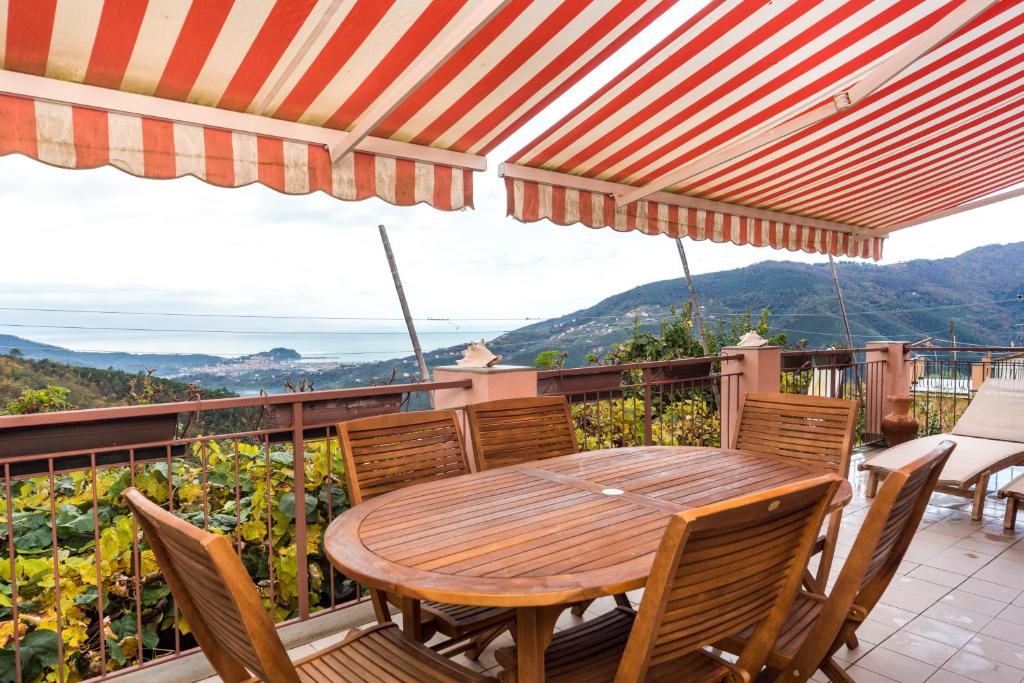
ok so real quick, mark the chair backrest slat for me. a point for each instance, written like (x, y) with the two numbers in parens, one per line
(515, 430)
(215, 594)
(874, 559)
(388, 452)
(723, 568)
(809, 430)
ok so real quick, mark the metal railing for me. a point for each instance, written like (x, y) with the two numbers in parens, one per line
(944, 381)
(840, 373)
(83, 596)
(673, 402)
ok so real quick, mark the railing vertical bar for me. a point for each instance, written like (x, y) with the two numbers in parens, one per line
(137, 562)
(56, 572)
(203, 459)
(299, 485)
(170, 508)
(11, 552)
(648, 408)
(268, 494)
(238, 497)
(330, 512)
(99, 564)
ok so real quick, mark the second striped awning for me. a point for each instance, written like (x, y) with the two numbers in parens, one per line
(721, 121)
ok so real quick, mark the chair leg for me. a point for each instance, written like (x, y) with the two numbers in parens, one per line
(480, 642)
(834, 672)
(380, 606)
(980, 491)
(851, 641)
(828, 553)
(622, 600)
(580, 607)
(1010, 521)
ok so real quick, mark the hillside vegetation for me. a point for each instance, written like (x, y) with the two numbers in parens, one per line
(90, 387)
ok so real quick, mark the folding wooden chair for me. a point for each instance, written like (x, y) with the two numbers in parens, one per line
(720, 569)
(807, 430)
(818, 626)
(389, 452)
(223, 609)
(515, 430)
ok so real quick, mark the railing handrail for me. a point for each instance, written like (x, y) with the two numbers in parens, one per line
(598, 369)
(119, 412)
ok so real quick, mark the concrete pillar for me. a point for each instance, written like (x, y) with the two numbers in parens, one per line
(889, 373)
(981, 372)
(489, 384)
(759, 370)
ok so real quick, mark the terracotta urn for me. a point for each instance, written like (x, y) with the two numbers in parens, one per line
(899, 426)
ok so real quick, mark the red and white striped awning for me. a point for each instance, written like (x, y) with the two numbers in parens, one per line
(406, 96)
(796, 124)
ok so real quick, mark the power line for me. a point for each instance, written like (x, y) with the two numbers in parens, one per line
(224, 355)
(257, 316)
(271, 332)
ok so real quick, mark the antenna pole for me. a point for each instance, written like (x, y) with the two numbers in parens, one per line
(424, 373)
(846, 321)
(693, 298)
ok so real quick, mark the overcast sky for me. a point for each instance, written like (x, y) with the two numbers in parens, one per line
(103, 239)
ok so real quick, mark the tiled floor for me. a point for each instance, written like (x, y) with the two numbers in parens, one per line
(954, 614)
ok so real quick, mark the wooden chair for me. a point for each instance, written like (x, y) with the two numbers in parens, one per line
(388, 452)
(515, 430)
(224, 611)
(818, 626)
(807, 430)
(720, 569)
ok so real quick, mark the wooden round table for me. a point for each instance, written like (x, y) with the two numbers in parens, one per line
(543, 535)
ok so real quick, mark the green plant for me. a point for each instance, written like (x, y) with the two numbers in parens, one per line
(245, 491)
(49, 399)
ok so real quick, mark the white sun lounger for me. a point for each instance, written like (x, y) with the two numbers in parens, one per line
(989, 437)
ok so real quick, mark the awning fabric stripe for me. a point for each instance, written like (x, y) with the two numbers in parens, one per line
(322, 63)
(78, 137)
(531, 201)
(943, 132)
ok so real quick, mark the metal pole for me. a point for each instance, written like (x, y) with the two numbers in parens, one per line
(846, 321)
(693, 298)
(695, 305)
(424, 373)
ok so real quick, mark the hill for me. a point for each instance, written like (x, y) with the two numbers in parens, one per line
(90, 387)
(164, 364)
(904, 301)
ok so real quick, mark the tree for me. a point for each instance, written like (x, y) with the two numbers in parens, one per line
(549, 360)
(677, 338)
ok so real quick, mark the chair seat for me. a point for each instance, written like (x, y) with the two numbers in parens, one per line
(383, 653)
(457, 620)
(591, 651)
(801, 617)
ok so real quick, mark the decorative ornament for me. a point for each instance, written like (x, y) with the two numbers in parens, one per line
(752, 338)
(477, 355)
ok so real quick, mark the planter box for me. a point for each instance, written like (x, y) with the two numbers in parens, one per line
(578, 385)
(681, 373)
(85, 436)
(318, 415)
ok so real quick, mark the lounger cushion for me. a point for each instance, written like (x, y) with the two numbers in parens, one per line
(997, 412)
(971, 457)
